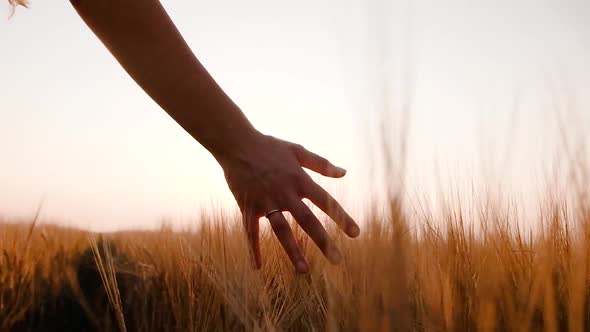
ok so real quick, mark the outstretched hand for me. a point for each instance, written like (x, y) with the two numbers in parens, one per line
(264, 173)
(268, 176)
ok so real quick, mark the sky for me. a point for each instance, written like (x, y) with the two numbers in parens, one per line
(483, 83)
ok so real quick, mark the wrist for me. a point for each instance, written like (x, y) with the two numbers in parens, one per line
(236, 146)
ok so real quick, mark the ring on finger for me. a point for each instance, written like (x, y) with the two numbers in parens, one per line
(267, 215)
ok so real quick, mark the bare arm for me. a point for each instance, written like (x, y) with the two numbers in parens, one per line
(144, 40)
(263, 173)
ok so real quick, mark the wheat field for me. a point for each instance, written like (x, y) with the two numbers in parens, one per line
(401, 274)
(473, 266)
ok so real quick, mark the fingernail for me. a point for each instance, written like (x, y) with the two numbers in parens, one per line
(340, 170)
(302, 267)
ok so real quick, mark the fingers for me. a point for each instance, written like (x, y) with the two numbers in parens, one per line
(283, 231)
(322, 199)
(317, 163)
(252, 230)
(312, 226)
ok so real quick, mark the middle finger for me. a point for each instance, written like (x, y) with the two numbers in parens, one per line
(312, 226)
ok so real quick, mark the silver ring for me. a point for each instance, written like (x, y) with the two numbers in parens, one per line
(271, 212)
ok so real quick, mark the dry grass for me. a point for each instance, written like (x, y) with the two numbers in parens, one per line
(394, 277)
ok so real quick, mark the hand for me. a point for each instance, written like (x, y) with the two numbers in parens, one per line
(268, 175)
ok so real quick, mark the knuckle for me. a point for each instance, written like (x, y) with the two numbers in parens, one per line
(302, 190)
(293, 176)
(299, 147)
(305, 180)
(298, 181)
(300, 150)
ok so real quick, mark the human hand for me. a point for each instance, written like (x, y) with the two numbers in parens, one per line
(267, 175)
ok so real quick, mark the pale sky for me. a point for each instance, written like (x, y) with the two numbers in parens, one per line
(483, 78)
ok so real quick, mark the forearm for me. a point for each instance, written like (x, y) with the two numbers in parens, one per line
(146, 43)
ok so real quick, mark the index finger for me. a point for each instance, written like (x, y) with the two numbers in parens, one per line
(322, 199)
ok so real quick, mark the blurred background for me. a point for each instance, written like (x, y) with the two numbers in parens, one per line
(478, 94)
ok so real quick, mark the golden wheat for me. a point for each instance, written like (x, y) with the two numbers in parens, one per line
(400, 275)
